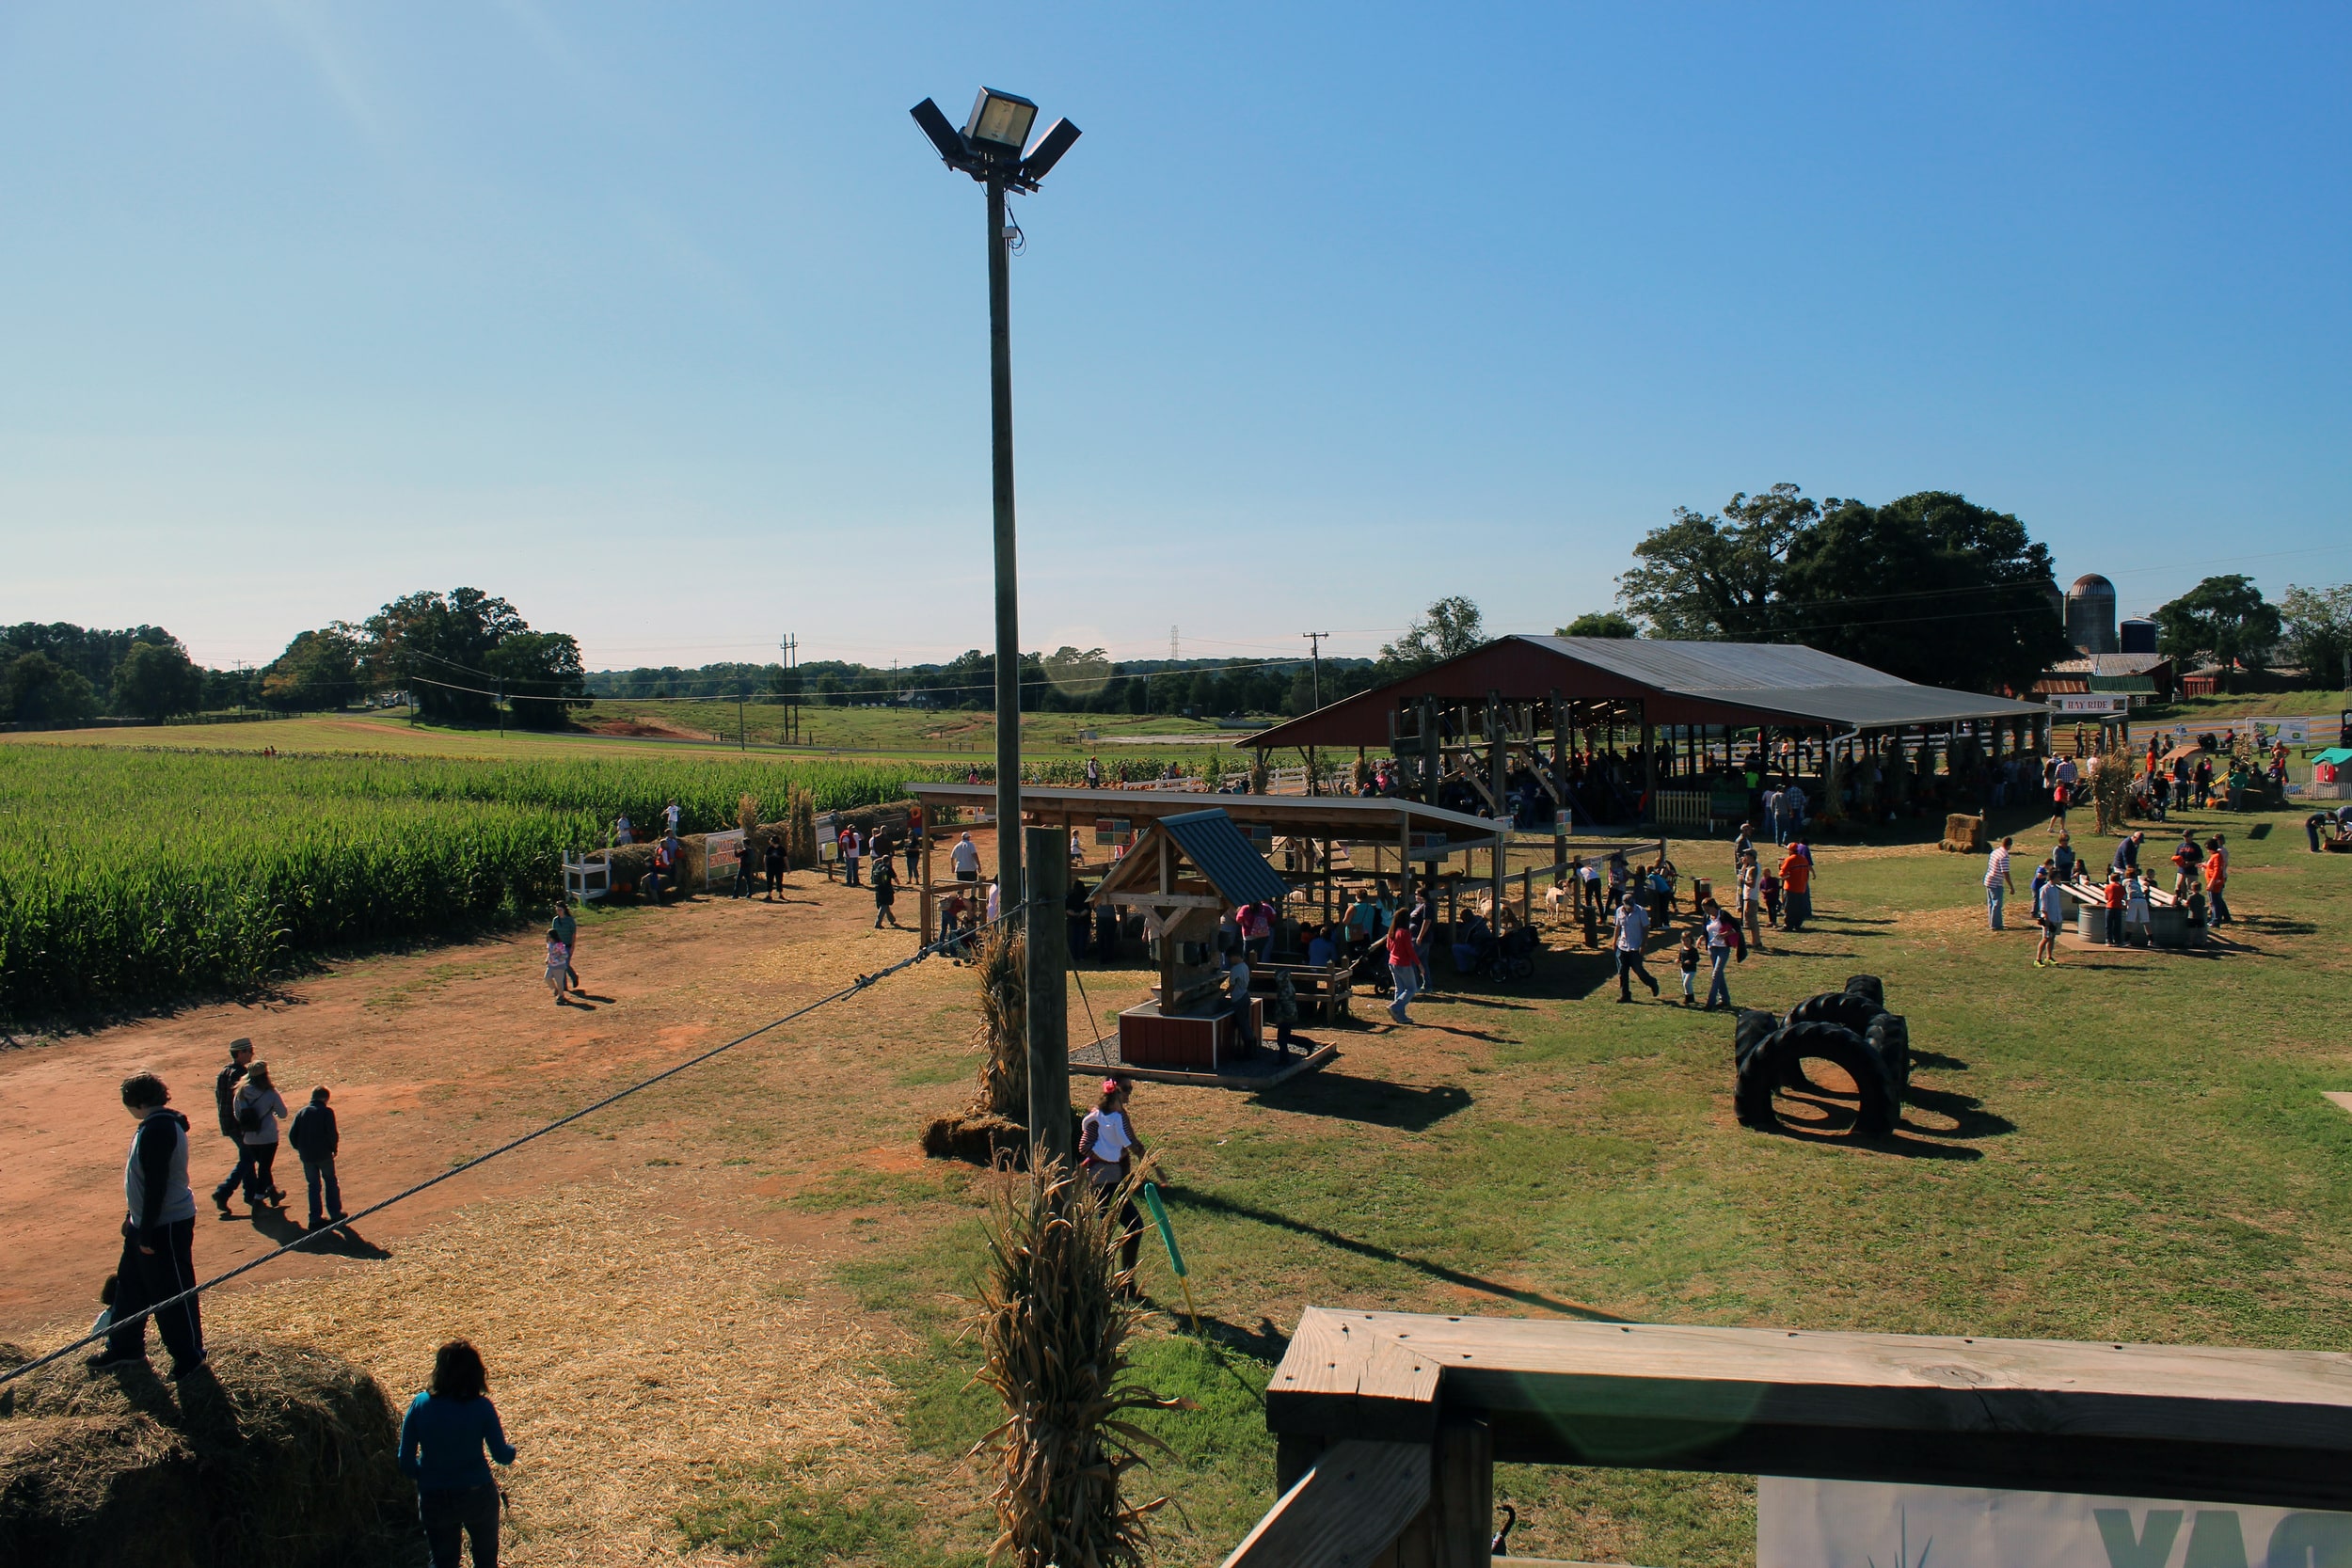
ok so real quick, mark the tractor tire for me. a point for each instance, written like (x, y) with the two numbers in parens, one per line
(1874, 1108)
(1850, 1009)
(1752, 1035)
(1522, 968)
(1889, 1040)
(1867, 985)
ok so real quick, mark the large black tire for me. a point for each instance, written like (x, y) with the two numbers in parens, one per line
(1874, 1110)
(1867, 985)
(1846, 1007)
(1751, 1035)
(1889, 1040)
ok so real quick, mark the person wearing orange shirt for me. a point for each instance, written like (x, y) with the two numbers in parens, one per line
(1796, 883)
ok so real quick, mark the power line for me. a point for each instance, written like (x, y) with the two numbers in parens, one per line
(860, 983)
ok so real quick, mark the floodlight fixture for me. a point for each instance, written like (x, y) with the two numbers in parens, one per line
(943, 133)
(1058, 138)
(1000, 123)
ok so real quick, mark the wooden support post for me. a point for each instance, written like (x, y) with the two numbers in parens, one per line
(1404, 863)
(1455, 1529)
(1649, 763)
(928, 903)
(1048, 999)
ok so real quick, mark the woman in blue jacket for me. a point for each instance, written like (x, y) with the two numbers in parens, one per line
(441, 1440)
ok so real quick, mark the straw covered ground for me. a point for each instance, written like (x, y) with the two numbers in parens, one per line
(722, 1318)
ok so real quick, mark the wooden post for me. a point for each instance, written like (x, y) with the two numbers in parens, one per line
(1048, 995)
(927, 904)
(1455, 1530)
(1649, 763)
(1404, 860)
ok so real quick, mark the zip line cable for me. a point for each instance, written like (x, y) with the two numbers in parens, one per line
(862, 983)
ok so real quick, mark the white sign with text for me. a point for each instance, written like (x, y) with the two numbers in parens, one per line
(1850, 1524)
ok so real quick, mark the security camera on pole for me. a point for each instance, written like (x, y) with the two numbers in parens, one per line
(990, 150)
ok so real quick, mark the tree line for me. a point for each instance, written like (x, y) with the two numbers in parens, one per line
(455, 653)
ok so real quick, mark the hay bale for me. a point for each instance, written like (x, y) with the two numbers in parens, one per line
(1963, 835)
(978, 1138)
(283, 1457)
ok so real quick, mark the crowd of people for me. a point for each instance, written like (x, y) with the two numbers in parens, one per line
(2128, 896)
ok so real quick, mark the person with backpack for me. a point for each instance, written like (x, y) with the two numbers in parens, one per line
(225, 1102)
(316, 1141)
(259, 1108)
(158, 1237)
(441, 1442)
(885, 882)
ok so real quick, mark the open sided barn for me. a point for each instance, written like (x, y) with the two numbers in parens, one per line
(1610, 728)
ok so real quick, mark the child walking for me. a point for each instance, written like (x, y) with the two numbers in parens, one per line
(1687, 960)
(558, 968)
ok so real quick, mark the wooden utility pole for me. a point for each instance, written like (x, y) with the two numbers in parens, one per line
(1048, 995)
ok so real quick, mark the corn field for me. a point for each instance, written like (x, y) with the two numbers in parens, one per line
(149, 875)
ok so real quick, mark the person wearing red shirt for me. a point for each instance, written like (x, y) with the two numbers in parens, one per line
(1404, 966)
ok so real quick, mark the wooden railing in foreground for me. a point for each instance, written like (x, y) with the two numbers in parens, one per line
(1388, 1425)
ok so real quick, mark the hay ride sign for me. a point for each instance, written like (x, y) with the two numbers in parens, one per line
(1844, 1524)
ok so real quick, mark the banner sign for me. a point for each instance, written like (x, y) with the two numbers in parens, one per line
(1112, 830)
(2088, 703)
(1850, 1524)
(721, 853)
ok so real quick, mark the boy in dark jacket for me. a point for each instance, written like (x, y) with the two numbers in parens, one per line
(315, 1140)
(158, 1232)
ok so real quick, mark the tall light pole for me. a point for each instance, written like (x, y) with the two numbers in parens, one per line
(988, 149)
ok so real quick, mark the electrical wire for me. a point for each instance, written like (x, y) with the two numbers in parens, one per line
(862, 983)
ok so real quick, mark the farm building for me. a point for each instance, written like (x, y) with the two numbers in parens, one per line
(1524, 717)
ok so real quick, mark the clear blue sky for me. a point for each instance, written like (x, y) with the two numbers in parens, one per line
(663, 321)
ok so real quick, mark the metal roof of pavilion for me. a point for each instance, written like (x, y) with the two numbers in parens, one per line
(1678, 683)
(1230, 862)
(1371, 818)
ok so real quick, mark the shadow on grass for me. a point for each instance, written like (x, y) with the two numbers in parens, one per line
(1828, 1117)
(1210, 1203)
(1367, 1100)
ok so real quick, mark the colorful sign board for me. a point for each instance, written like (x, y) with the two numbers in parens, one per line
(722, 854)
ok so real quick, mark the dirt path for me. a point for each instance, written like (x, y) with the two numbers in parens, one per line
(431, 1058)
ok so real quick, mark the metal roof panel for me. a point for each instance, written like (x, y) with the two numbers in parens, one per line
(1232, 864)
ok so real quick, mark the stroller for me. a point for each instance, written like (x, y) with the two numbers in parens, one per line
(1509, 956)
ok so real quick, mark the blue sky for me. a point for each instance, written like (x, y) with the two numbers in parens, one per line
(665, 323)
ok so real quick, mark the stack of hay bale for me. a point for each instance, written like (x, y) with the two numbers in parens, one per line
(1851, 1029)
(272, 1456)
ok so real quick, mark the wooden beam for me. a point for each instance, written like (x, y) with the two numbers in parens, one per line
(1344, 1512)
(2255, 1426)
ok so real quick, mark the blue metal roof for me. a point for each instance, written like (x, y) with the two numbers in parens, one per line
(1232, 864)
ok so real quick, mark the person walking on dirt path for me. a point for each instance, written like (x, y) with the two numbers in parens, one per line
(965, 858)
(259, 1108)
(441, 1442)
(2049, 912)
(914, 841)
(1998, 883)
(316, 1141)
(772, 863)
(239, 1178)
(1632, 930)
(1107, 1149)
(849, 851)
(559, 965)
(565, 929)
(1403, 965)
(886, 892)
(158, 1237)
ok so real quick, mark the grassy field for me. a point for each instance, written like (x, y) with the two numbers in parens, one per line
(156, 875)
(2130, 1146)
(2292, 704)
